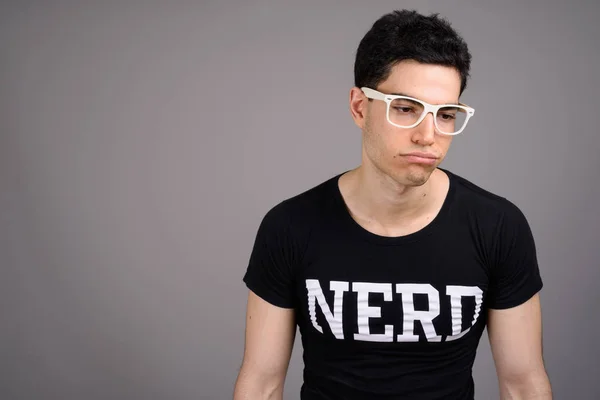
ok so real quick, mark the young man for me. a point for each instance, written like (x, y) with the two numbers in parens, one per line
(393, 270)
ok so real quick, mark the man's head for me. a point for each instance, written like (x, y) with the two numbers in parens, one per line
(418, 56)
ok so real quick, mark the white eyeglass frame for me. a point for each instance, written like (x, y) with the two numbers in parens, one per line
(427, 108)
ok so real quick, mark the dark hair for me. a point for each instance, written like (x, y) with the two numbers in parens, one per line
(408, 35)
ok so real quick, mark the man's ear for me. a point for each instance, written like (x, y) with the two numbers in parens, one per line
(358, 106)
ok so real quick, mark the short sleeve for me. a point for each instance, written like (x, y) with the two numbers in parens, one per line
(275, 253)
(515, 276)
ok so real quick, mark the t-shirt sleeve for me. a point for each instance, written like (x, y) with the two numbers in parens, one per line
(515, 275)
(275, 253)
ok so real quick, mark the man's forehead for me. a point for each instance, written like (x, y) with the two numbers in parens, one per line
(449, 100)
(435, 84)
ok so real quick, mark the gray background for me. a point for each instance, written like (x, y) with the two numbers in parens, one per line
(142, 143)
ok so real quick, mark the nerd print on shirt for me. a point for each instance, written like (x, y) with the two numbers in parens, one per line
(454, 298)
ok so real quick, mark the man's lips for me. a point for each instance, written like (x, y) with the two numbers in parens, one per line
(422, 155)
(420, 158)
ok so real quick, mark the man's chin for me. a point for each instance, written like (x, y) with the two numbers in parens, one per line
(418, 178)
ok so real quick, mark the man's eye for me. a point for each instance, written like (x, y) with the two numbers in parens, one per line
(448, 117)
(404, 109)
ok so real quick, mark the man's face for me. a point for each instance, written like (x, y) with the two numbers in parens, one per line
(385, 146)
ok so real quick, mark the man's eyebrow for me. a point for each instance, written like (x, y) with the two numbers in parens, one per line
(402, 94)
(408, 95)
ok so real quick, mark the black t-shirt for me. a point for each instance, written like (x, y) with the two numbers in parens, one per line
(392, 317)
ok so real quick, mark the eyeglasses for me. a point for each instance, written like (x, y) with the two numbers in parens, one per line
(408, 112)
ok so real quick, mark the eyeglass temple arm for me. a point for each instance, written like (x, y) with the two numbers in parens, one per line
(372, 94)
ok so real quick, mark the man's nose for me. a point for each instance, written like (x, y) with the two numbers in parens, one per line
(424, 133)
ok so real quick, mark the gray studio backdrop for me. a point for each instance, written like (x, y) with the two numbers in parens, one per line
(142, 143)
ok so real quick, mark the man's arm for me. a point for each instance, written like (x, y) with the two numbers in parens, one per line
(270, 333)
(516, 341)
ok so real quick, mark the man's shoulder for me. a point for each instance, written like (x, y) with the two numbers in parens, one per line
(473, 197)
(485, 208)
(317, 196)
(306, 206)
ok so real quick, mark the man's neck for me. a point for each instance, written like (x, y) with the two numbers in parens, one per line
(383, 206)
